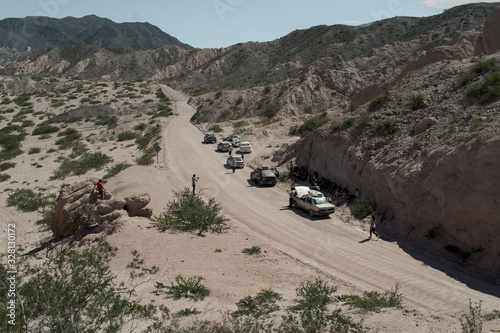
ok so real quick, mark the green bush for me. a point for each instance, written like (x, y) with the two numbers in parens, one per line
(374, 300)
(27, 200)
(144, 140)
(73, 290)
(161, 95)
(187, 312)
(417, 102)
(386, 127)
(11, 145)
(33, 150)
(81, 165)
(473, 322)
(252, 250)
(105, 120)
(147, 158)
(380, 100)
(262, 304)
(349, 122)
(315, 294)
(44, 128)
(363, 120)
(68, 138)
(4, 177)
(309, 125)
(360, 208)
(190, 287)
(190, 213)
(23, 99)
(488, 89)
(125, 136)
(216, 129)
(116, 169)
(6, 165)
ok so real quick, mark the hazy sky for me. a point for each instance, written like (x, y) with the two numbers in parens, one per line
(220, 23)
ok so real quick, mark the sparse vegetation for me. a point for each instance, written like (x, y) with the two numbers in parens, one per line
(27, 200)
(373, 300)
(309, 125)
(216, 129)
(252, 250)
(260, 305)
(44, 128)
(386, 127)
(125, 136)
(116, 169)
(417, 101)
(81, 165)
(473, 322)
(360, 208)
(185, 287)
(380, 100)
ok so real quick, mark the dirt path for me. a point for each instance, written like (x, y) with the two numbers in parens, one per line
(329, 245)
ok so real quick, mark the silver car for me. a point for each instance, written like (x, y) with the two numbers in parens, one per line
(235, 161)
(224, 146)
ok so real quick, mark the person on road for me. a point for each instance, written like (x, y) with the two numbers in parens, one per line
(194, 179)
(100, 188)
(292, 194)
(373, 227)
(230, 149)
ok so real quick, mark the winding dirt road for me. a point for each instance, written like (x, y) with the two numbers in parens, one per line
(329, 245)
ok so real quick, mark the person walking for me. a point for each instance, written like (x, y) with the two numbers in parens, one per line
(292, 194)
(373, 227)
(100, 188)
(194, 179)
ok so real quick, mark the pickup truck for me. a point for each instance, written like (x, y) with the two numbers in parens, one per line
(314, 202)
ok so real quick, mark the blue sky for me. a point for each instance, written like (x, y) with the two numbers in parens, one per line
(220, 23)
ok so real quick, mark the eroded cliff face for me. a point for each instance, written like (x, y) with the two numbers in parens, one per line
(452, 190)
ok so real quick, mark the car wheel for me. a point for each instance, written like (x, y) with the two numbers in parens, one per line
(311, 213)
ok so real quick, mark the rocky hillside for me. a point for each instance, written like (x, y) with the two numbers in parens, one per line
(35, 33)
(409, 108)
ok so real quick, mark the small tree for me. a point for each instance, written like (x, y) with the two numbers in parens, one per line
(189, 212)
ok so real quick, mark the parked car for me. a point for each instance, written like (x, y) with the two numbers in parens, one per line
(264, 176)
(224, 146)
(234, 139)
(245, 147)
(312, 201)
(235, 161)
(210, 138)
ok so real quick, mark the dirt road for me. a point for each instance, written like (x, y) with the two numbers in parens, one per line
(329, 245)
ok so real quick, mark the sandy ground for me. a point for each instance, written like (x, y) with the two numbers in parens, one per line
(295, 247)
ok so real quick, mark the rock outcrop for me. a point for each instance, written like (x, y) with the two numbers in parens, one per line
(77, 207)
(489, 41)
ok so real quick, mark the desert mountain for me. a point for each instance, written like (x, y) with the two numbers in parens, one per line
(405, 109)
(35, 33)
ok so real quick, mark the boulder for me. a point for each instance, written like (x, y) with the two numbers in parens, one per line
(423, 125)
(135, 205)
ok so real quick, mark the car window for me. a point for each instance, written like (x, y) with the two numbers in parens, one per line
(267, 173)
(320, 201)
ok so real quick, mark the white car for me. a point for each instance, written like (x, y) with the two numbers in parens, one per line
(314, 202)
(245, 147)
(235, 161)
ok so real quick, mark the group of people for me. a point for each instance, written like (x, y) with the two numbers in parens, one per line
(325, 185)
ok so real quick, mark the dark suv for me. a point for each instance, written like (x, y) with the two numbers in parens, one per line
(264, 176)
(210, 138)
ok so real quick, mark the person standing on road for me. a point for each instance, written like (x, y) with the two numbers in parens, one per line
(292, 194)
(193, 181)
(230, 149)
(373, 227)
